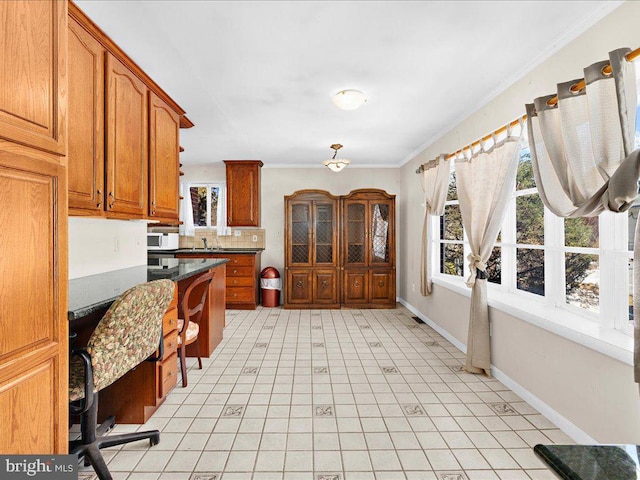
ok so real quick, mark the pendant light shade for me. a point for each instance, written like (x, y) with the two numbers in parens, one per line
(336, 164)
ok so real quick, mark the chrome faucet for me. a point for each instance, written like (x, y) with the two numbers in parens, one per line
(204, 240)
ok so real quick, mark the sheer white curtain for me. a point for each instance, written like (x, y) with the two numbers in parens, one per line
(582, 151)
(186, 228)
(485, 182)
(221, 214)
(435, 182)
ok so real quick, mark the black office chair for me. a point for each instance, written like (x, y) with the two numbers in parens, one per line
(126, 336)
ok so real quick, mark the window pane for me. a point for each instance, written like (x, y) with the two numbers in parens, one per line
(530, 270)
(524, 177)
(215, 191)
(494, 266)
(581, 232)
(451, 223)
(582, 275)
(199, 203)
(633, 219)
(451, 259)
(529, 220)
(452, 192)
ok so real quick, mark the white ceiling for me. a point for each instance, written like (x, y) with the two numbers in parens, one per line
(257, 77)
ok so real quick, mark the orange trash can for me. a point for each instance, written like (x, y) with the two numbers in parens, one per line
(270, 286)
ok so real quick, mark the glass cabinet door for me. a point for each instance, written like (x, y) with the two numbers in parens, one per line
(300, 234)
(380, 222)
(355, 235)
(324, 216)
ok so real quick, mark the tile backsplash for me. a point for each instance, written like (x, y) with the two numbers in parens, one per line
(244, 240)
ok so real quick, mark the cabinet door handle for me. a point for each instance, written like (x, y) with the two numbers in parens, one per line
(324, 284)
(356, 283)
(153, 207)
(381, 283)
(299, 284)
(111, 200)
(172, 322)
(99, 192)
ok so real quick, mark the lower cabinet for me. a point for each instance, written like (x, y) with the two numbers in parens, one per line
(243, 283)
(312, 288)
(370, 288)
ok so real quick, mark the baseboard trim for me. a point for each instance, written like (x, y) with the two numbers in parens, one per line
(577, 434)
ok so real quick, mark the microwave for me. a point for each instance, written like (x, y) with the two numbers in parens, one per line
(162, 241)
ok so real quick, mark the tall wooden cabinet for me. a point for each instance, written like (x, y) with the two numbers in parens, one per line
(368, 249)
(243, 193)
(340, 251)
(311, 250)
(33, 228)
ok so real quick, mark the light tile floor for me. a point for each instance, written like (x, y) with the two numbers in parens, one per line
(336, 395)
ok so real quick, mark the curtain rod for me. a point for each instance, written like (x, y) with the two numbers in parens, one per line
(631, 56)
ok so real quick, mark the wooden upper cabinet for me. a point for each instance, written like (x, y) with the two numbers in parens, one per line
(86, 125)
(33, 73)
(126, 127)
(164, 170)
(243, 193)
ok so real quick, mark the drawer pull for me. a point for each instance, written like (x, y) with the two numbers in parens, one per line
(235, 281)
(235, 271)
(172, 322)
(235, 294)
(299, 284)
(171, 345)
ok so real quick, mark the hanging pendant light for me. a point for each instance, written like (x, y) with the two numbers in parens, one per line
(336, 164)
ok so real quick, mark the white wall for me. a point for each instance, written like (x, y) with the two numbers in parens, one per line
(594, 392)
(97, 245)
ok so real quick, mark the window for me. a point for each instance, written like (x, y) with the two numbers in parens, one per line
(207, 207)
(557, 262)
(451, 233)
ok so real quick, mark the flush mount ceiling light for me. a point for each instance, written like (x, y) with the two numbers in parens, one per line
(349, 99)
(336, 164)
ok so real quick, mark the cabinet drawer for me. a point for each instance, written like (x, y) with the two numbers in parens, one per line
(241, 281)
(170, 321)
(240, 272)
(241, 294)
(170, 343)
(240, 260)
(169, 374)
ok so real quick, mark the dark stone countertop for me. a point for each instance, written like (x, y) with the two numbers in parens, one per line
(95, 292)
(592, 462)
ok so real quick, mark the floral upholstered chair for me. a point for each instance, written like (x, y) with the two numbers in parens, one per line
(127, 335)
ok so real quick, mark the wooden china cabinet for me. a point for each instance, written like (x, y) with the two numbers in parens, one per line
(340, 251)
(368, 249)
(311, 250)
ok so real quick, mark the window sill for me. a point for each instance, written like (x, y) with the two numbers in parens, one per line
(566, 324)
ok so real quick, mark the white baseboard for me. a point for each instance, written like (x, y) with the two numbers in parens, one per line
(577, 434)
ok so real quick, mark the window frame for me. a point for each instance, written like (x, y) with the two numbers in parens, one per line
(221, 186)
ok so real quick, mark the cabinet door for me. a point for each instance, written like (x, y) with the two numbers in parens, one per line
(355, 233)
(33, 274)
(325, 286)
(324, 233)
(164, 170)
(380, 226)
(356, 287)
(86, 128)
(126, 140)
(382, 286)
(33, 42)
(243, 193)
(299, 227)
(299, 287)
